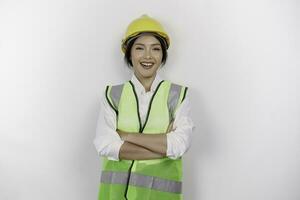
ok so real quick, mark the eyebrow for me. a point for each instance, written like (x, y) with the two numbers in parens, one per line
(151, 44)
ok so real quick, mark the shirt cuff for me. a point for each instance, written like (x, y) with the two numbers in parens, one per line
(170, 147)
(113, 150)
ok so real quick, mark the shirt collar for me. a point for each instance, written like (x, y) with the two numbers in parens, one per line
(140, 88)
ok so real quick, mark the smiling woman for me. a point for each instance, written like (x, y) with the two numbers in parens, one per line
(144, 125)
(162, 43)
(146, 57)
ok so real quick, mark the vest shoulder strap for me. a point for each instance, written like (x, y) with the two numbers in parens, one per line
(113, 95)
(176, 96)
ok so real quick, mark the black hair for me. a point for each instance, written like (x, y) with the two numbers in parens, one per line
(131, 41)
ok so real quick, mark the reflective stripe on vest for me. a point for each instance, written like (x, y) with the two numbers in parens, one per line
(150, 182)
(115, 94)
(173, 98)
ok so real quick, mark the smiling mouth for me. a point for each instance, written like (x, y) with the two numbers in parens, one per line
(147, 65)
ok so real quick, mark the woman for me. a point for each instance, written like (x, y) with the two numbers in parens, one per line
(144, 125)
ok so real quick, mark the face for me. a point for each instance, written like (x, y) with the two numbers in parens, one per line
(146, 56)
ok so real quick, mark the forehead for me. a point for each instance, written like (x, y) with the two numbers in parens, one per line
(147, 38)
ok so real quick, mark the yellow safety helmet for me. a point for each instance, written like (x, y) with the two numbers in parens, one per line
(144, 24)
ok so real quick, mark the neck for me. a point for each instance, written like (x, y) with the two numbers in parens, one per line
(146, 82)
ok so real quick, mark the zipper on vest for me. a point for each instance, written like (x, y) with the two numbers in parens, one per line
(141, 129)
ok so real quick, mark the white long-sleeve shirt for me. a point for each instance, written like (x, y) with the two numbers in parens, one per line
(108, 142)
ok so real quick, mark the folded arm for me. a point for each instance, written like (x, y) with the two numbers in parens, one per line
(129, 151)
(156, 143)
(172, 144)
(109, 144)
(113, 145)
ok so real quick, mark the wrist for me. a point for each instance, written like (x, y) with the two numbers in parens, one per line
(126, 137)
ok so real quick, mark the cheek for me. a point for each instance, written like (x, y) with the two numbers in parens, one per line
(159, 58)
(136, 57)
(158, 55)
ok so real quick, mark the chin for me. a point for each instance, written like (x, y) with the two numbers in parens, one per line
(147, 75)
(143, 73)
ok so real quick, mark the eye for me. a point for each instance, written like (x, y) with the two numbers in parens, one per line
(157, 49)
(139, 48)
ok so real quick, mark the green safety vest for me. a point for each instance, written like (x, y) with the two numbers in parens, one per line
(156, 179)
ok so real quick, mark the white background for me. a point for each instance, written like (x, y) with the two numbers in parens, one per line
(240, 60)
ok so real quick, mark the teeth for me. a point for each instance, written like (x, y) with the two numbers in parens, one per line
(147, 64)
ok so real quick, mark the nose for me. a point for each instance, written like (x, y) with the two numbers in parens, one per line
(148, 54)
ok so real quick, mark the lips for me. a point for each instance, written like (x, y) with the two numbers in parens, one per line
(147, 65)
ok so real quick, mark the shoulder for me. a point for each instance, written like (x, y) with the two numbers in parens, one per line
(116, 85)
(113, 94)
(177, 95)
(176, 87)
(114, 88)
(177, 84)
